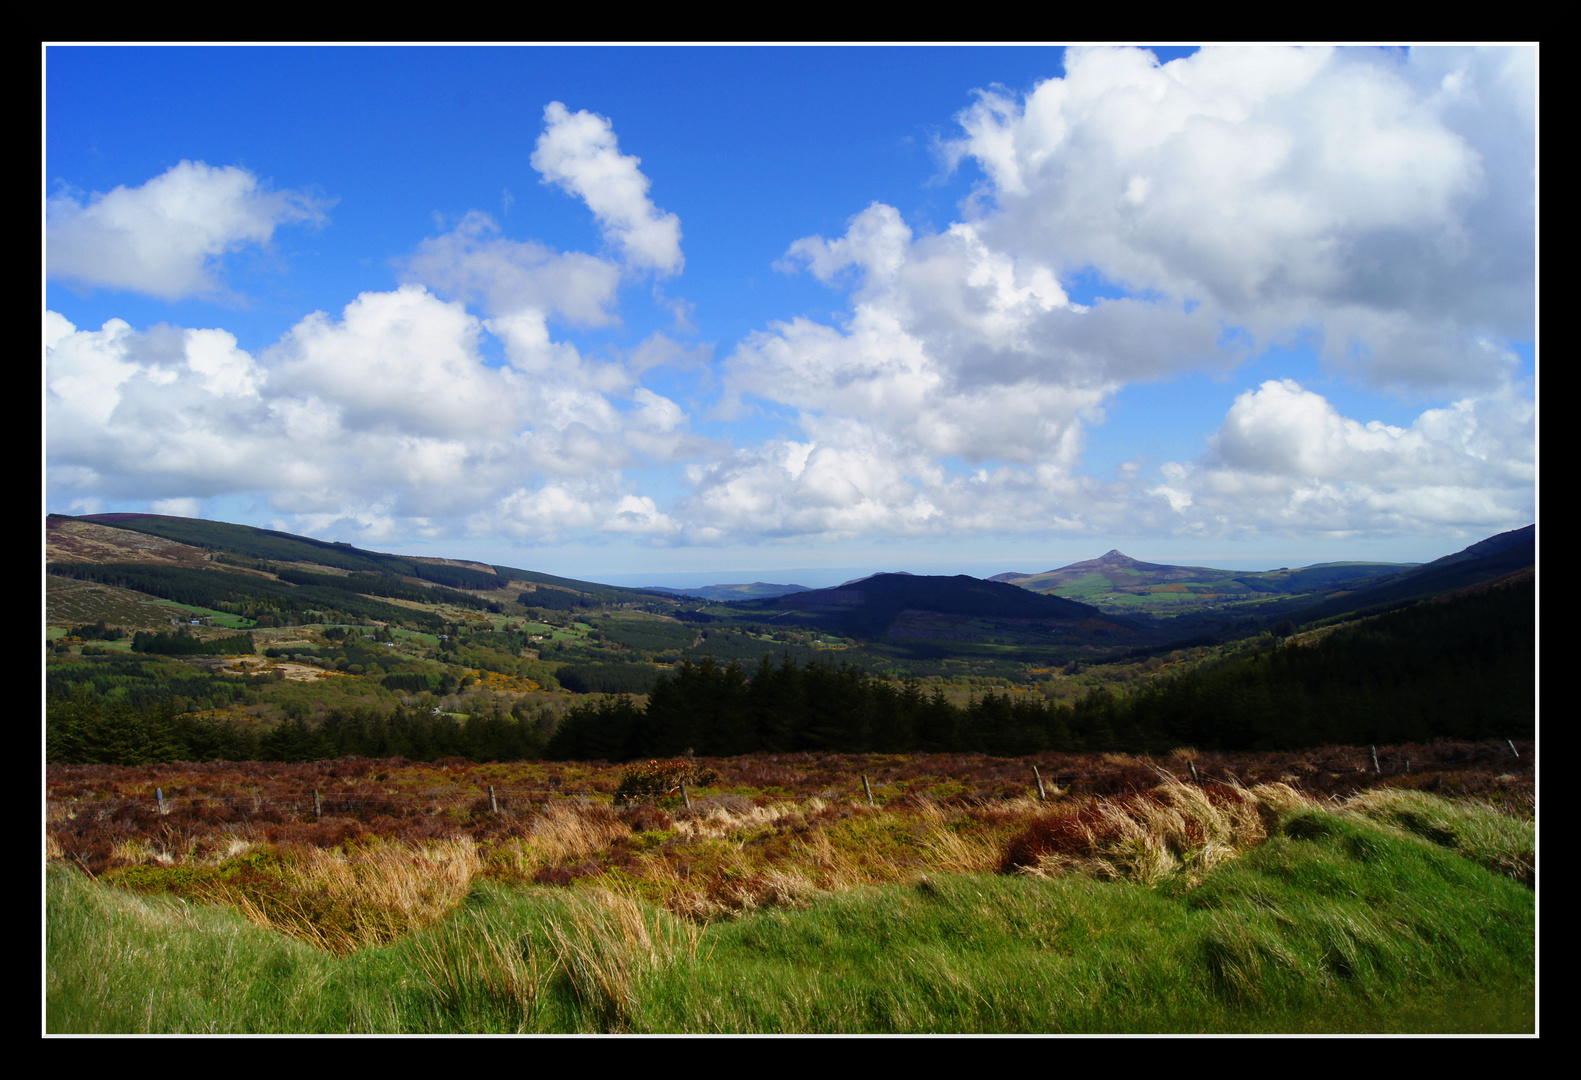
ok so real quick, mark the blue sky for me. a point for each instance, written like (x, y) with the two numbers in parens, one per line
(687, 315)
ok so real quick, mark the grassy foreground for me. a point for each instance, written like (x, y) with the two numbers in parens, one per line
(1410, 915)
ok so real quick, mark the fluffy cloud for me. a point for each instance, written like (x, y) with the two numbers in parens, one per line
(385, 421)
(949, 348)
(477, 265)
(847, 482)
(1386, 200)
(400, 361)
(953, 351)
(1286, 459)
(555, 511)
(164, 414)
(579, 152)
(851, 485)
(165, 239)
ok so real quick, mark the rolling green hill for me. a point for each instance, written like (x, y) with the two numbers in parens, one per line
(1117, 583)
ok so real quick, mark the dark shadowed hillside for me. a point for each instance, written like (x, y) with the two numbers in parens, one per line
(1488, 560)
(958, 608)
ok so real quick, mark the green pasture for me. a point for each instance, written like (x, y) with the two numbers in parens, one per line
(1088, 585)
(234, 622)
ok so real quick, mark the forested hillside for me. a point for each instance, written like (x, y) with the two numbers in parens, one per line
(200, 640)
(1461, 668)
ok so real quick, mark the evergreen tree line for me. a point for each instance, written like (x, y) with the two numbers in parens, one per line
(97, 632)
(385, 585)
(148, 682)
(607, 678)
(1461, 669)
(184, 644)
(83, 728)
(556, 600)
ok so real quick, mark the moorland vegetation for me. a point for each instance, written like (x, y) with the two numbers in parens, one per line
(473, 898)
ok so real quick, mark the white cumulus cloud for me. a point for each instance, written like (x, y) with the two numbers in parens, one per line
(1286, 459)
(475, 264)
(385, 421)
(1385, 200)
(579, 152)
(403, 361)
(166, 238)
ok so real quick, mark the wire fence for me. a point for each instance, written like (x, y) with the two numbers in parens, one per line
(486, 798)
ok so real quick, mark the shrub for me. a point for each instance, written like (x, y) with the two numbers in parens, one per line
(656, 779)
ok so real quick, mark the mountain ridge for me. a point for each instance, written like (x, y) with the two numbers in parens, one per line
(1098, 593)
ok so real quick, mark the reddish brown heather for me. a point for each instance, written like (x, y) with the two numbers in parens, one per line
(101, 817)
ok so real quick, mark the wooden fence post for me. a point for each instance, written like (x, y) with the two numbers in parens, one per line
(1193, 766)
(1377, 771)
(869, 789)
(159, 797)
(1514, 751)
(1042, 795)
(318, 807)
(494, 807)
(686, 800)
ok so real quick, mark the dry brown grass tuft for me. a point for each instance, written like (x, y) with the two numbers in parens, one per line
(573, 831)
(1279, 797)
(1174, 830)
(950, 851)
(343, 901)
(563, 833)
(718, 821)
(828, 866)
(728, 897)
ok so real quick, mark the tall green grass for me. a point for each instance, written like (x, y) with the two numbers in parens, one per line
(120, 962)
(1337, 923)
(1331, 926)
